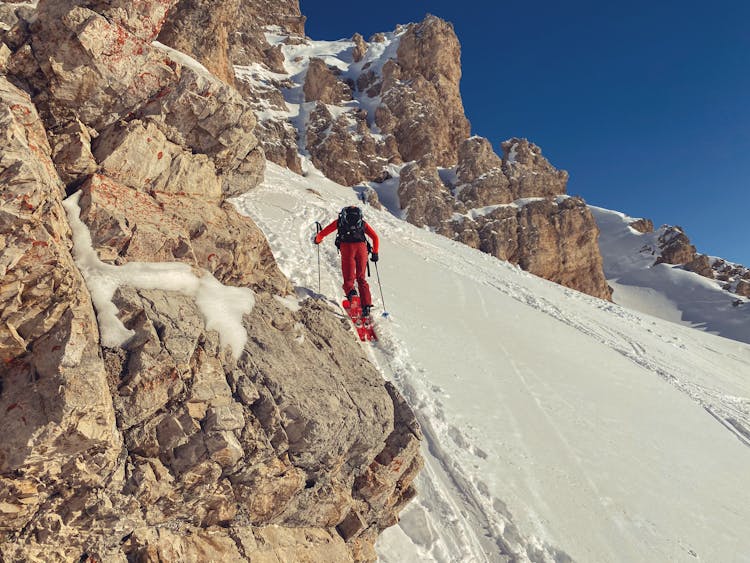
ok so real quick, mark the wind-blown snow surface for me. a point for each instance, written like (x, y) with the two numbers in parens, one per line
(665, 291)
(557, 425)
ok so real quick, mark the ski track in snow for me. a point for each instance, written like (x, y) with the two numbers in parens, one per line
(456, 517)
(476, 527)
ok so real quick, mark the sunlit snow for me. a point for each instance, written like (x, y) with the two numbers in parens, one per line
(557, 425)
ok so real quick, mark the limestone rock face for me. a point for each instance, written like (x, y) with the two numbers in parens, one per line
(559, 242)
(143, 18)
(99, 73)
(481, 178)
(201, 29)
(55, 407)
(171, 446)
(701, 265)
(529, 173)
(322, 84)
(278, 137)
(552, 238)
(675, 247)
(643, 225)
(421, 101)
(247, 41)
(177, 228)
(428, 201)
(337, 146)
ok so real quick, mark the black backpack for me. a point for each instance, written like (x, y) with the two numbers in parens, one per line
(351, 227)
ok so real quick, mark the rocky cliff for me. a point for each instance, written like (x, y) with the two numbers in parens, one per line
(138, 427)
(365, 112)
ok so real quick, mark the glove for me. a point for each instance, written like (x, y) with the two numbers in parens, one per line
(374, 257)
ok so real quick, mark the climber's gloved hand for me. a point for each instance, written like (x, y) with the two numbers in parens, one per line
(374, 257)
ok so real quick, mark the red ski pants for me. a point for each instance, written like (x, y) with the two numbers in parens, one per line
(354, 266)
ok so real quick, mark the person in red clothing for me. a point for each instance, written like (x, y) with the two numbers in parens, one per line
(351, 241)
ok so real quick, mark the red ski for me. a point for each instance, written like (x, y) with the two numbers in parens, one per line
(363, 325)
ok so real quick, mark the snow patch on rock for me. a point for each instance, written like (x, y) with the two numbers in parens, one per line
(222, 307)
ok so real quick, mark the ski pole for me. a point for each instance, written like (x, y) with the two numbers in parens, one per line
(318, 228)
(385, 311)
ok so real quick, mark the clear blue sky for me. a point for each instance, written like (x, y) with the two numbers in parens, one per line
(645, 103)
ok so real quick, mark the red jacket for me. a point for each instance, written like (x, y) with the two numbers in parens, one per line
(334, 226)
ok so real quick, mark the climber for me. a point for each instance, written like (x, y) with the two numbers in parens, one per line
(351, 242)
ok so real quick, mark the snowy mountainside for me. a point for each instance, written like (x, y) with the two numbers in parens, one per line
(664, 290)
(293, 111)
(557, 425)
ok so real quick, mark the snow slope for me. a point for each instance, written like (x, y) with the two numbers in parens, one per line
(665, 291)
(557, 425)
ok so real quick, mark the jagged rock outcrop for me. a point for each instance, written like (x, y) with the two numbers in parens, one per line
(675, 247)
(701, 265)
(479, 174)
(247, 41)
(201, 29)
(643, 225)
(428, 201)
(174, 444)
(92, 71)
(421, 101)
(555, 238)
(529, 173)
(336, 145)
(278, 137)
(483, 178)
(323, 85)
